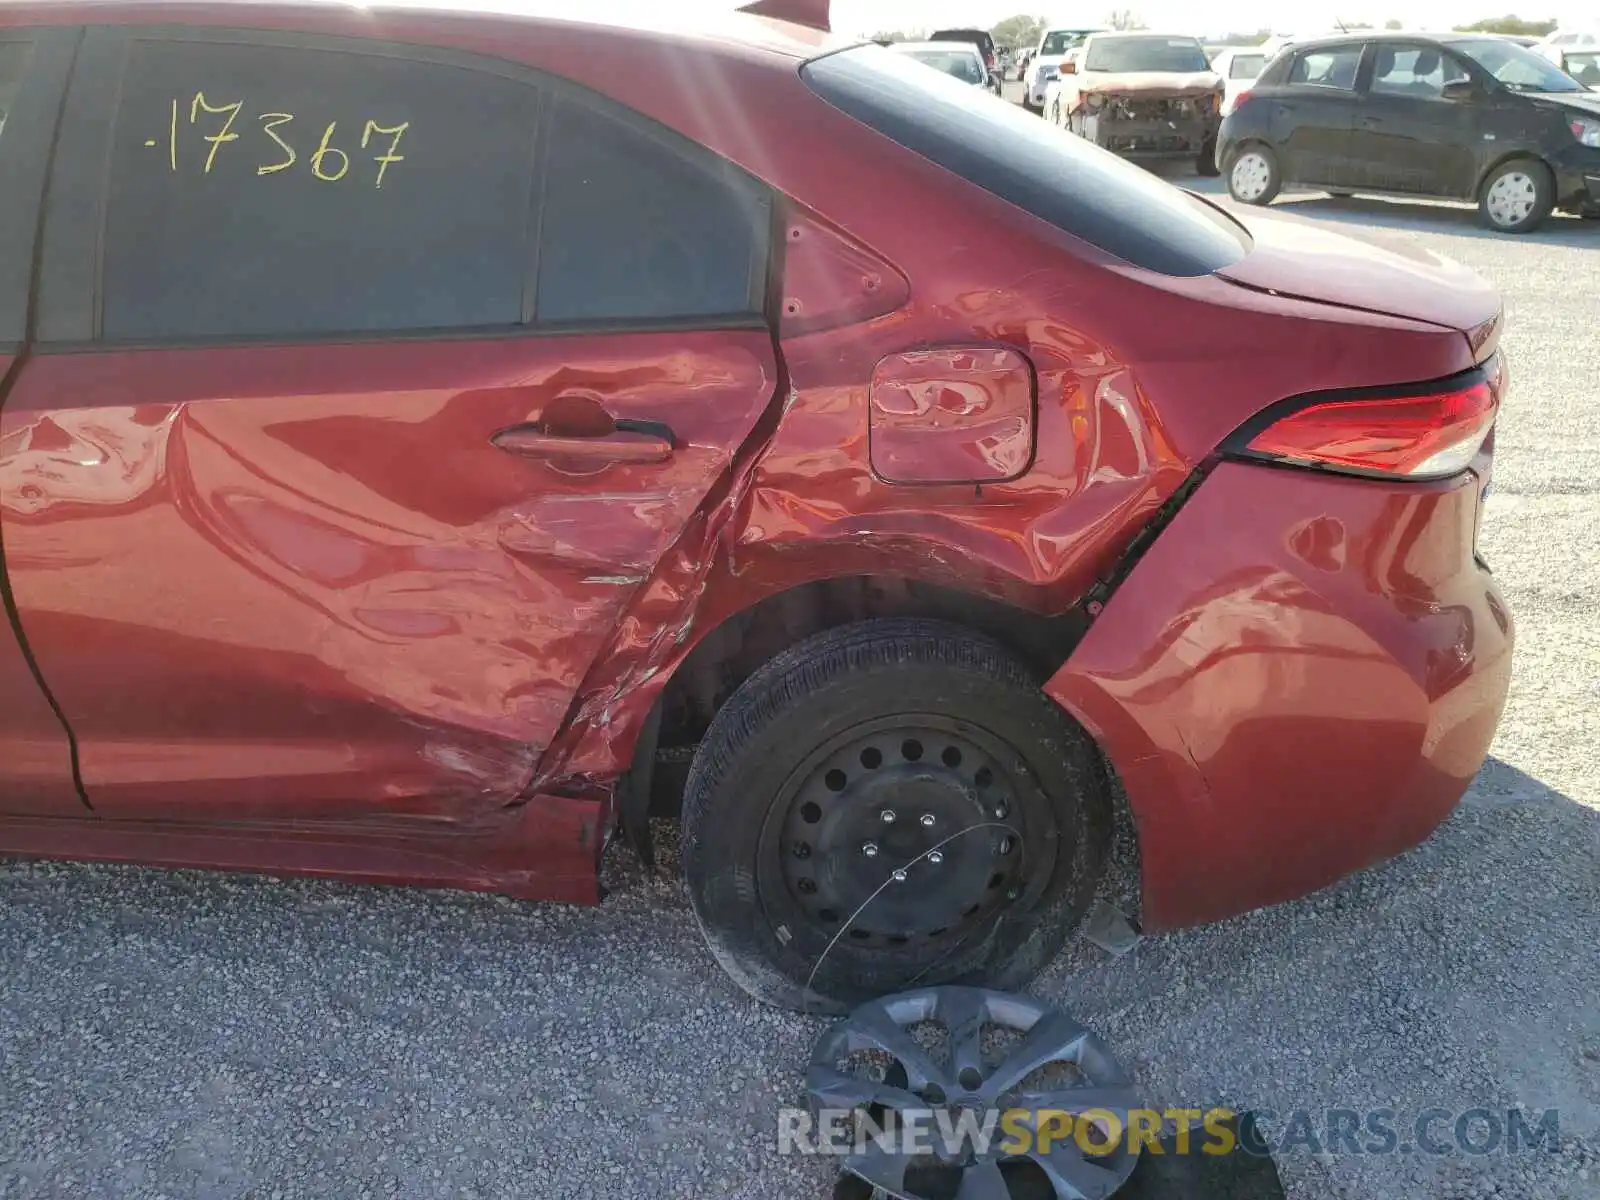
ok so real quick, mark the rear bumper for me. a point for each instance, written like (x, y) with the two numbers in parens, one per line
(1298, 679)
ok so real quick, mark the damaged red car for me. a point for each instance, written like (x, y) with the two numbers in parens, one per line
(434, 442)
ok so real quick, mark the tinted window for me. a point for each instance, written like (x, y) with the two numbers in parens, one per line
(1413, 71)
(637, 227)
(1334, 67)
(1066, 181)
(259, 190)
(13, 58)
(1118, 54)
(1246, 66)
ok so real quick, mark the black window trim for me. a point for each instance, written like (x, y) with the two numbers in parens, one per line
(26, 155)
(70, 283)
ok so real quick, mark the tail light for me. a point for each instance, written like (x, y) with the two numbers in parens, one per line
(1236, 103)
(1425, 431)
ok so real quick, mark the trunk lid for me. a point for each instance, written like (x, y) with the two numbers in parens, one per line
(1307, 261)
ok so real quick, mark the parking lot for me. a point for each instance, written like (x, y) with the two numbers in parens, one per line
(185, 1034)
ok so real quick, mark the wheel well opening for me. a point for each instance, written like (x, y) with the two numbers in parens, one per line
(732, 652)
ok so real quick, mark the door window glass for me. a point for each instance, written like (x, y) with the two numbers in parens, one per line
(1414, 71)
(261, 190)
(1334, 67)
(637, 227)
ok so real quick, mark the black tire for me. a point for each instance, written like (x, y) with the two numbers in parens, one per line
(1036, 109)
(1205, 163)
(1273, 183)
(786, 732)
(1542, 194)
(1340, 195)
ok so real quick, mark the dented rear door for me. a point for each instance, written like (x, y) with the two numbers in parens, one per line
(391, 381)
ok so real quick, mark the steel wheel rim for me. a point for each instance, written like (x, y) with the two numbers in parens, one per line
(1250, 176)
(987, 805)
(910, 1077)
(1512, 198)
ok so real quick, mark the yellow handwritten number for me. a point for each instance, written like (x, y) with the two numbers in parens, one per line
(216, 139)
(323, 151)
(394, 131)
(269, 124)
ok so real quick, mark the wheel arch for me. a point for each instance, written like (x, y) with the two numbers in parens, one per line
(731, 650)
(1501, 160)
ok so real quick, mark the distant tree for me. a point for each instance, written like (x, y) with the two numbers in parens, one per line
(1245, 39)
(1512, 24)
(1394, 23)
(1018, 31)
(1124, 18)
(900, 35)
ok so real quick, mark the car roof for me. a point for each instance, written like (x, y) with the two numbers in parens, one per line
(1390, 35)
(646, 20)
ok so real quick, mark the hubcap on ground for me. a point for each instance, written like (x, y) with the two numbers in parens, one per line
(891, 835)
(999, 1052)
(1511, 198)
(1250, 176)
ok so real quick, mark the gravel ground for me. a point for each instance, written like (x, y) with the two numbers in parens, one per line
(192, 1035)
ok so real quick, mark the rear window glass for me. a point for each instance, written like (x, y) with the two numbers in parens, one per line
(1584, 66)
(1077, 187)
(963, 65)
(1332, 68)
(1246, 66)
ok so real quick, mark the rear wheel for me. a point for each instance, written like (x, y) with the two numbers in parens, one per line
(1517, 196)
(1205, 162)
(890, 804)
(1253, 175)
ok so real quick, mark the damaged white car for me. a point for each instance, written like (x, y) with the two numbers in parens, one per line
(1142, 96)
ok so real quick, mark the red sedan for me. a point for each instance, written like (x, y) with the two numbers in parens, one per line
(425, 432)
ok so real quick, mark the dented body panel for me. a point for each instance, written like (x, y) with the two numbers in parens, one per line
(1300, 702)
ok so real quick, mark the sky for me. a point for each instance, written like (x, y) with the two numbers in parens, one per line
(1221, 16)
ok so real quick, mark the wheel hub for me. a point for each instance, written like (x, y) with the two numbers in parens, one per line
(911, 832)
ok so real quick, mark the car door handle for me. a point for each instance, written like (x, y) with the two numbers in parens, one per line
(629, 442)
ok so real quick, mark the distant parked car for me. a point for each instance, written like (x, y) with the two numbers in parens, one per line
(1238, 67)
(1142, 96)
(956, 59)
(975, 37)
(1047, 59)
(1461, 116)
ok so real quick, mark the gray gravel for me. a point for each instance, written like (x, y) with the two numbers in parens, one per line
(185, 1034)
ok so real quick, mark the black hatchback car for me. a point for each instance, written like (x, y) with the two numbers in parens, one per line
(1460, 117)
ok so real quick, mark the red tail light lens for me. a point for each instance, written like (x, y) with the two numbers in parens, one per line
(1419, 434)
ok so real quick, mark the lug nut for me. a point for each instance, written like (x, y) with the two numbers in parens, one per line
(1005, 845)
(927, 820)
(900, 875)
(887, 816)
(870, 849)
(1000, 812)
(936, 857)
